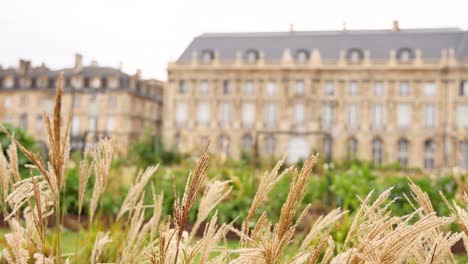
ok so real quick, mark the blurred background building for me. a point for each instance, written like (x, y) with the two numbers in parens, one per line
(386, 96)
(105, 101)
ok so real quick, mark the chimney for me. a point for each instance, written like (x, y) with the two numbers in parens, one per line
(94, 63)
(291, 28)
(24, 66)
(138, 73)
(78, 62)
(396, 27)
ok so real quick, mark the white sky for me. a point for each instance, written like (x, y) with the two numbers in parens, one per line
(147, 34)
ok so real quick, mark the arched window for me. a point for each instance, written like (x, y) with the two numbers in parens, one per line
(355, 55)
(177, 139)
(207, 56)
(270, 145)
(429, 154)
(328, 147)
(377, 151)
(405, 55)
(251, 56)
(403, 147)
(352, 148)
(224, 143)
(247, 142)
(464, 154)
(302, 56)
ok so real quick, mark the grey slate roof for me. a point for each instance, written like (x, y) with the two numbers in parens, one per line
(329, 43)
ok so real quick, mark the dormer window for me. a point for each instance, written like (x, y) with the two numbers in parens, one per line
(251, 56)
(207, 56)
(355, 55)
(8, 82)
(96, 83)
(405, 55)
(302, 56)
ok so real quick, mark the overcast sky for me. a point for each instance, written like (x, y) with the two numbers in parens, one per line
(146, 34)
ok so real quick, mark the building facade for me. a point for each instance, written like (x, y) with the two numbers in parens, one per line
(384, 96)
(105, 102)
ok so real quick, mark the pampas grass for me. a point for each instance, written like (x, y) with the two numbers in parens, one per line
(376, 234)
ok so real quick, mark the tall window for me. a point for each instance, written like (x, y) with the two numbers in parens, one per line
(110, 126)
(7, 102)
(403, 152)
(404, 116)
(429, 154)
(24, 121)
(299, 88)
(248, 114)
(377, 116)
(204, 87)
(352, 148)
(112, 101)
(462, 116)
(404, 89)
(430, 116)
(353, 121)
(328, 147)
(23, 100)
(270, 145)
(430, 89)
(249, 87)
(271, 115)
(224, 143)
(225, 113)
(247, 142)
(203, 113)
(183, 87)
(271, 88)
(329, 89)
(39, 123)
(464, 154)
(328, 112)
(181, 113)
(75, 126)
(377, 151)
(464, 88)
(92, 123)
(76, 101)
(227, 87)
(379, 89)
(299, 113)
(353, 88)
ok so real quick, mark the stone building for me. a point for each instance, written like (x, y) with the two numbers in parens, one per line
(385, 96)
(105, 101)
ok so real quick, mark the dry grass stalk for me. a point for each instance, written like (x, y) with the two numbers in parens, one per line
(5, 181)
(16, 241)
(84, 172)
(270, 245)
(182, 208)
(101, 240)
(459, 215)
(213, 195)
(12, 153)
(320, 224)
(211, 238)
(157, 212)
(39, 258)
(102, 158)
(136, 190)
(267, 183)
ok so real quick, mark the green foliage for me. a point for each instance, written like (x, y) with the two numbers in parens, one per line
(149, 150)
(24, 139)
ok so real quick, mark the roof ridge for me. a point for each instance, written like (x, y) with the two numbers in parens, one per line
(330, 32)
